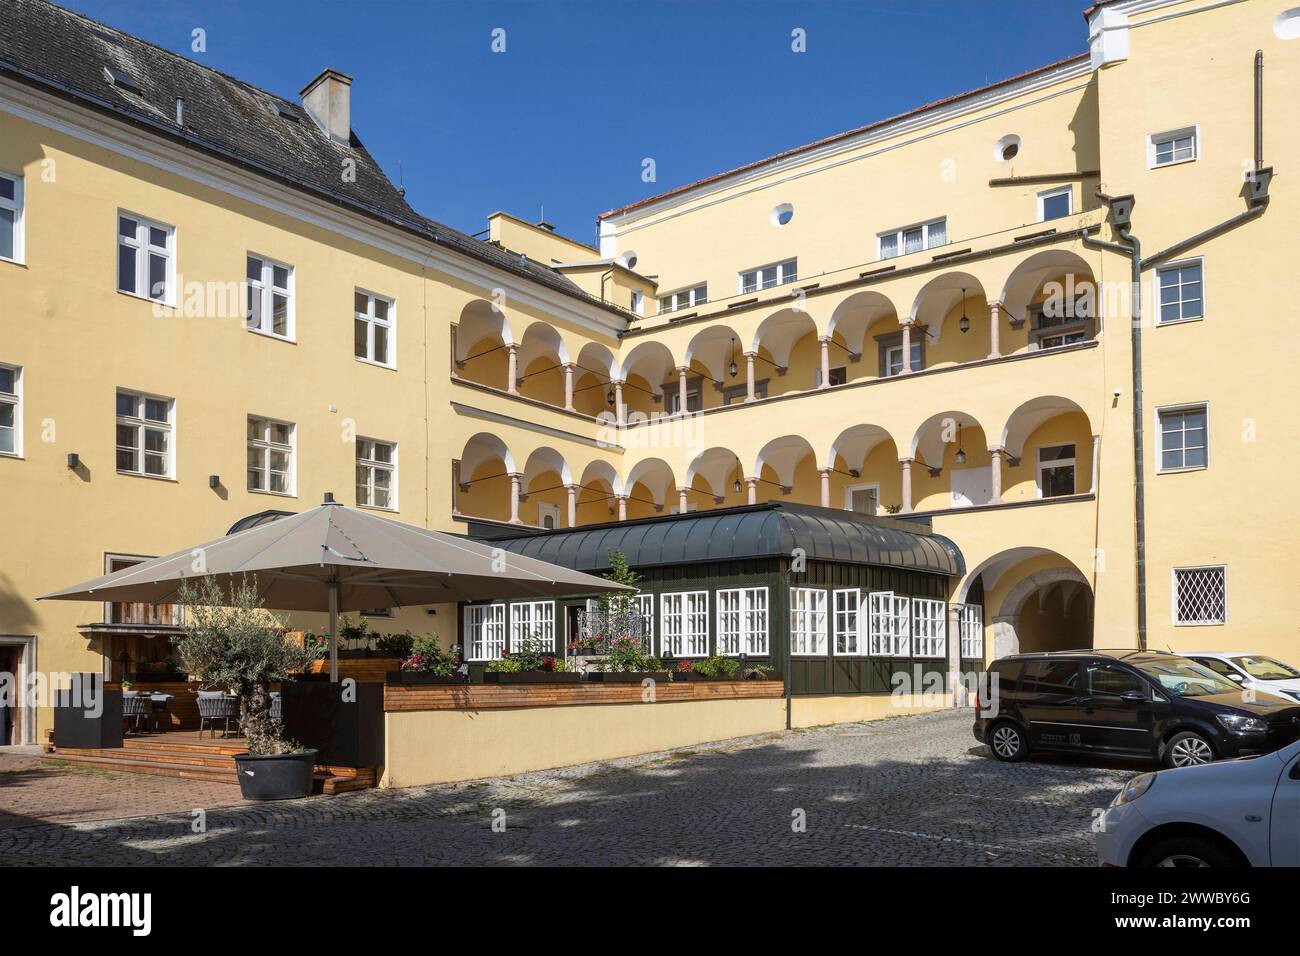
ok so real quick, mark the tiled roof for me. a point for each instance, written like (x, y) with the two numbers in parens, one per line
(65, 53)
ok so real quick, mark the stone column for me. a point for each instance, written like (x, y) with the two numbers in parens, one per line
(454, 373)
(681, 389)
(752, 485)
(573, 504)
(995, 328)
(907, 348)
(995, 492)
(683, 501)
(568, 386)
(749, 376)
(516, 483)
(622, 507)
(826, 361)
(512, 373)
(825, 474)
(907, 484)
(620, 414)
(1096, 462)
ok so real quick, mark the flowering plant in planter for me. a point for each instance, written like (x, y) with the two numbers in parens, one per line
(428, 657)
(533, 654)
(715, 667)
(685, 665)
(627, 654)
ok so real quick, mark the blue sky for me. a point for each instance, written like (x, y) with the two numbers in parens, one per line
(585, 90)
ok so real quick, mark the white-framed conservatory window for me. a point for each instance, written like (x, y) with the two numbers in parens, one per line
(1173, 146)
(1200, 595)
(532, 621)
(847, 627)
(808, 622)
(908, 239)
(144, 434)
(269, 306)
(374, 329)
(11, 217)
(484, 631)
(272, 462)
(742, 621)
(684, 624)
(970, 622)
(376, 474)
(890, 624)
(929, 628)
(645, 608)
(146, 261)
(684, 299)
(11, 410)
(770, 276)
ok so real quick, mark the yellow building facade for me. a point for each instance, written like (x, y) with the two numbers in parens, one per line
(928, 317)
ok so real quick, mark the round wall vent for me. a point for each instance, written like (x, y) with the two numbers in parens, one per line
(1287, 24)
(782, 214)
(1007, 147)
(627, 260)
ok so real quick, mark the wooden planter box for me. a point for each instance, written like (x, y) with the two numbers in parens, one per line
(626, 677)
(420, 677)
(531, 677)
(691, 675)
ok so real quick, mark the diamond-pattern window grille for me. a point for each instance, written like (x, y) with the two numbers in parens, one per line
(1200, 595)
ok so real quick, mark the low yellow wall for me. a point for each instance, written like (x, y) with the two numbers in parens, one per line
(442, 746)
(845, 709)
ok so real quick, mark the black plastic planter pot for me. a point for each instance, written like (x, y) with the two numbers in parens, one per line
(531, 677)
(276, 777)
(626, 677)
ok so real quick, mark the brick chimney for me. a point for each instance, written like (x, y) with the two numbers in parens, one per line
(327, 98)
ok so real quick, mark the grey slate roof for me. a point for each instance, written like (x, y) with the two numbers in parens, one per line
(65, 53)
(768, 530)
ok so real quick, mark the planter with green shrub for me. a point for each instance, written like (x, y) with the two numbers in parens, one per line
(427, 663)
(534, 662)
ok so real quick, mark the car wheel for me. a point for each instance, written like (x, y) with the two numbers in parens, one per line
(1188, 851)
(1188, 749)
(1007, 741)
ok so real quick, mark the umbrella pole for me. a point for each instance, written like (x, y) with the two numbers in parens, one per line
(334, 631)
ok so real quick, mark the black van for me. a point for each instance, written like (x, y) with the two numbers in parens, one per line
(1145, 704)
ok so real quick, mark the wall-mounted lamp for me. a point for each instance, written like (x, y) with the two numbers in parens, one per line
(964, 324)
(961, 455)
(74, 460)
(733, 368)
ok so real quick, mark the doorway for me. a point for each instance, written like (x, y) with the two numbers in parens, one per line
(10, 679)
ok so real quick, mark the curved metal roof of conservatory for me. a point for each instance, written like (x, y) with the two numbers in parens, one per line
(769, 530)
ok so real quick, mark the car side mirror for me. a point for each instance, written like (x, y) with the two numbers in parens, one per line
(1236, 677)
(1134, 697)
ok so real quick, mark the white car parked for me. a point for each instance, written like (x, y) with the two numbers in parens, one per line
(1242, 812)
(1253, 671)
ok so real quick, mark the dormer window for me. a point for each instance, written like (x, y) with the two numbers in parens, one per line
(121, 80)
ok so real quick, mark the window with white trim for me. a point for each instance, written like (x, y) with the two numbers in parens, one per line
(1055, 203)
(484, 631)
(768, 277)
(908, 239)
(11, 410)
(742, 622)
(374, 329)
(1173, 146)
(11, 217)
(144, 434)
(970, 622)
(532, 623)
(1055, 470)
(145, 258)
(1183, 438)
(929, 628)
(847, 629)
(808, 622)
(269, 305)
(889, 624)
(684, 299)
(1182, 295)
(376, 474)
(1200, 595)
(271, 458)
(684, 624)
(645, 607)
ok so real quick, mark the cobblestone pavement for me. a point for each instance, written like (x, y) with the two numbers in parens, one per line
(905, 791)
(36, 791)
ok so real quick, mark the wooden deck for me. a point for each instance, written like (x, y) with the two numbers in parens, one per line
(186, 754)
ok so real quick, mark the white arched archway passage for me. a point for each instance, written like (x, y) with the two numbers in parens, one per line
(650, 360)
(940, 296)
(715, 350)
(478, 321)
(854, 444)
(1027, 279)
(779, 332)
(854, 317)
(1061, 577)
(1021, 423)
(717, 467)
(653, 474)
(783, 455)
(937, 431)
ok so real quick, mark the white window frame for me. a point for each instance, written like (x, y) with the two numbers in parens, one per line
(750, 614)
(808, 622)
(143, 249)
(545, 508)
(889, 624)
(140, 424)
(1160, 437)
(901, 231)
(787, 271)
(1159, 306)
(15, 399)
(483, 632)
(15, 205)
(1155, 139)
(371, 321)
(1072, 462)
(970, 625)
(682, 299)
(529, 617)
(847, 623)
(929, 628)
(865, 486)
(265, 289)
(817, 375)
(638, 302)
(1046, 194)
(645, 607)
(1173, 595)
(684, 623)
(265, 446)
(372, 465)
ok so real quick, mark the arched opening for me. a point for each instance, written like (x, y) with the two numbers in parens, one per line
(593, 383)
(1035, 600)
(482, 478)
(853, 347)
(952, 467)
(1050, 450)
(864, 471)
(715, 479)
(952, 313)
(716, 356)
(544, 487)
(541, 360)
(648, 371)
(1052, 297)
(482, 335)
(651, 487)
(786, 347)
(597, 487)
(786, 468)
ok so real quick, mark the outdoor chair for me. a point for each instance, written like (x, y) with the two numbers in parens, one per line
(136, 709)
(216, 706)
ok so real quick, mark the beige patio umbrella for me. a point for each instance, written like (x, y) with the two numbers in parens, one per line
(337, 558)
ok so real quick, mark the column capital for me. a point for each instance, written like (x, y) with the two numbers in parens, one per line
(825, 472)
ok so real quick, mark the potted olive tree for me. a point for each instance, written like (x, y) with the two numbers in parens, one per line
(233, 642)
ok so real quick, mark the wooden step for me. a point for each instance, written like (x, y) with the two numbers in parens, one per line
(157, 767)
(222, 761)
(170, 744)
